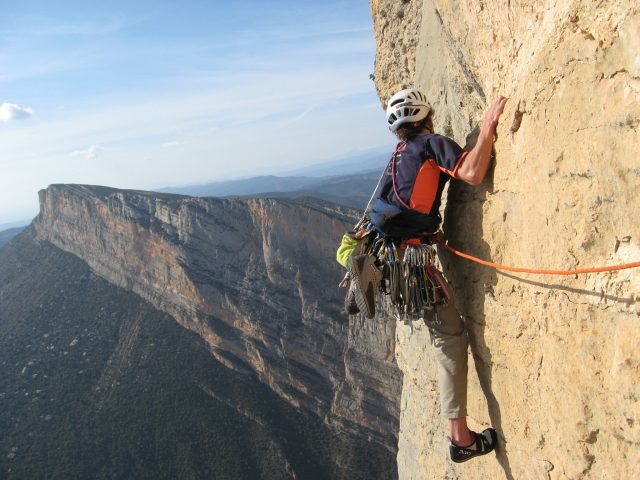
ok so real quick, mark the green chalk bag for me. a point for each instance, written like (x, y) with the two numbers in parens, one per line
(346, 249)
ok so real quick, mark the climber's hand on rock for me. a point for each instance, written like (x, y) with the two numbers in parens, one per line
(493, 114)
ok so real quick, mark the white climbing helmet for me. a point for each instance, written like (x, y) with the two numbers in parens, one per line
(406, 106)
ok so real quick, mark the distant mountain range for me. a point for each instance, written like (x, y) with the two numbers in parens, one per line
(16, 224)
(354, 163)
(352, 190)
(6, 235)
(348, 181)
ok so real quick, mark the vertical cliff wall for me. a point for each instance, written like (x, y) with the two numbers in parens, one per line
(255, 279)
(555, 363)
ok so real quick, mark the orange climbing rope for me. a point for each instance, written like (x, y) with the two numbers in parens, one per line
(539, 271)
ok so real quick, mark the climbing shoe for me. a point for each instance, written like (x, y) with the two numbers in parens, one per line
(350, 304)
(484, 443)
(365, 277)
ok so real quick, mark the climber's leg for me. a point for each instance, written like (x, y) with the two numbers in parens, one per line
(449, 337)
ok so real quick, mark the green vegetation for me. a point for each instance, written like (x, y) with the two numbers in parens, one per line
(95, 383)
(448, 129)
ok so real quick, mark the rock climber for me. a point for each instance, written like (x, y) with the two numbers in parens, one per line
(406, 205)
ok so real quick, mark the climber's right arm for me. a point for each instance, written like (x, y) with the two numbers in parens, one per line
(475, 165)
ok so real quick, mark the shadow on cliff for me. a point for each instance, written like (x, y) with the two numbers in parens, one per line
(463, 228)
(601, 296)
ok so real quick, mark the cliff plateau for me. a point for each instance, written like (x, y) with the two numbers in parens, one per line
(555, 363)
(255, 279)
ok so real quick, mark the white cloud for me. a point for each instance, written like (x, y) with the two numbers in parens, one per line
(171, 144)
(11, 111)
(89, 153)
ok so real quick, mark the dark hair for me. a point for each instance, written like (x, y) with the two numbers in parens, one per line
(409, 130)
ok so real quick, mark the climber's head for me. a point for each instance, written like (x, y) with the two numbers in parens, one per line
(408, 113)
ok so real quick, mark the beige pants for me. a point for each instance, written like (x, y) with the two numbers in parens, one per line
(449, 337)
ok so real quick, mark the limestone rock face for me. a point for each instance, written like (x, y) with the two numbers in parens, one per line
(256, 279)
(555, 364)
(396, 26)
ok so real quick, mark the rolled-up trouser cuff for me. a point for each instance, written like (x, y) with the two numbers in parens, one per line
(451, 414)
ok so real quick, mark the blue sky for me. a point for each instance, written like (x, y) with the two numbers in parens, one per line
(142, 94)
